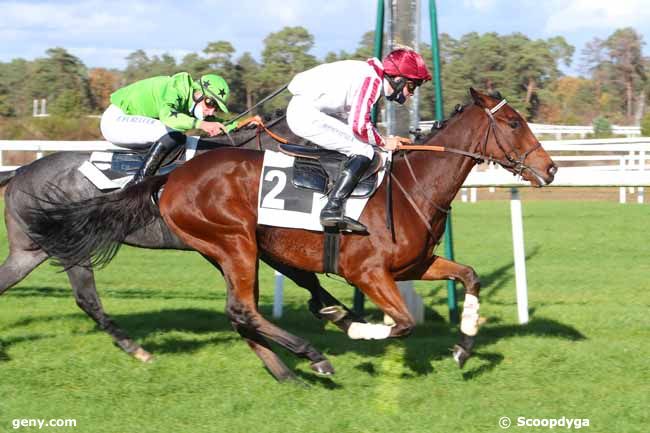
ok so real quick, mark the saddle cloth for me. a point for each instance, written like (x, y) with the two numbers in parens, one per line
(282, 204)
(114, 169)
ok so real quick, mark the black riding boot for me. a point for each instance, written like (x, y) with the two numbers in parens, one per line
(157, 153)
(333, 214)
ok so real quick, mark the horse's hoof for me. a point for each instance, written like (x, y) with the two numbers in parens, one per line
(460, 355)
(323, 367)
(314, 307)
(333, 313)
(142, 355)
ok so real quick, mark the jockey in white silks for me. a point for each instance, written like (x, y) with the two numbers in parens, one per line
(331, 107)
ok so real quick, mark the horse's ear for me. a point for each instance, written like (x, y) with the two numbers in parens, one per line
(479, 98)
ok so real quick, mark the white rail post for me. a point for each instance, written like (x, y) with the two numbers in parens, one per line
(473, 195)
(519, 253)
(463, 195)
(641, 190)
(278, 295)
(622, 190)
(413, 301)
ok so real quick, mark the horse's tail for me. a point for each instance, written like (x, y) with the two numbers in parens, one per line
(73, 232)
(6, 176)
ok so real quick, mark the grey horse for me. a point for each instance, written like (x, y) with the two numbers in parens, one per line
(60, 169)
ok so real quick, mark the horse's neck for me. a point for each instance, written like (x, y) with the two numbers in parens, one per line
(442, 174)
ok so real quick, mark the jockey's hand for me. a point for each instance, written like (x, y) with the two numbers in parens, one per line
(393, 142)
(212, 128)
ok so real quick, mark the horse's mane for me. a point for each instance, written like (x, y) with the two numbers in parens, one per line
(440, 125)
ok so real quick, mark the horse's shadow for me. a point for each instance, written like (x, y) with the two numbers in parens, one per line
(164, 332)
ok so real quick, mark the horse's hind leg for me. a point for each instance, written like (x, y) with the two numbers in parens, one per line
(82, 280)
(23, 257)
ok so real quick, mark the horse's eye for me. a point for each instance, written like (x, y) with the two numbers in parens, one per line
(514, 124)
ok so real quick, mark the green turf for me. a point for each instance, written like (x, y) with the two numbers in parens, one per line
(583, 355)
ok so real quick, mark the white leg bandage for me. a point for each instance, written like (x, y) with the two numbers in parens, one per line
(368, 331)
(469, 321)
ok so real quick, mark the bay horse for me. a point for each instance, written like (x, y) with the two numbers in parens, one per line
(61, 169)
(210, 203)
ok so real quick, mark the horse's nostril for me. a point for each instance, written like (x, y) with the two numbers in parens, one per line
(552, 170)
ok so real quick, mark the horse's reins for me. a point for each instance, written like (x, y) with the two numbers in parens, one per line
(257, 119)
(261, 127)
(517, 165)
(262, 101)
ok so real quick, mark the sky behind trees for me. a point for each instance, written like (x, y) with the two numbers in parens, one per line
(103, 33)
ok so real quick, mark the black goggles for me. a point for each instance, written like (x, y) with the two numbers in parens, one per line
(411, 85)
(210, 102)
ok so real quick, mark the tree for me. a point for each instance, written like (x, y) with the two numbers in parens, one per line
(285, 54)
(219, 54)
(624, 52)
(60, 75)
(102, 83)
(138, 66)
(249, 71)
(194, 64)
(515, 66)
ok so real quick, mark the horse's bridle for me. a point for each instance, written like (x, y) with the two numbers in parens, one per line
(515, 165)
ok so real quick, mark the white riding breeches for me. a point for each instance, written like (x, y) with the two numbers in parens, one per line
(326, 131)
(134, 132)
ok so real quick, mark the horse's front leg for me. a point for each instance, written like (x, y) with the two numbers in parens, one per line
(444, 269)
(382, 290)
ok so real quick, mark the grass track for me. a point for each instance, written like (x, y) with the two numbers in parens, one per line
(584, 355)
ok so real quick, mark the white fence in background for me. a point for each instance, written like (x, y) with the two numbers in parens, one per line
(614, 162)
(559, 130)
(618, 162)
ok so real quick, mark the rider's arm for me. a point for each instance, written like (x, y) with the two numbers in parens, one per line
(363, 101)
(175, 119)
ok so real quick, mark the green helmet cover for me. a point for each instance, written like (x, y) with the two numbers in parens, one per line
(215, 87)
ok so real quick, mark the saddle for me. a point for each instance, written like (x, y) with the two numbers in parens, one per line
(317, 169)
(112, 170)
(128, 163)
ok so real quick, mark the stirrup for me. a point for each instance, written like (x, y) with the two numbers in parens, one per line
(344, 224)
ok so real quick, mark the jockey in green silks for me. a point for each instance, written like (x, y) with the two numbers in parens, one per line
(156, 112)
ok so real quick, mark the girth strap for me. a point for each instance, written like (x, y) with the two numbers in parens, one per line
(331, 250)
(414, 205)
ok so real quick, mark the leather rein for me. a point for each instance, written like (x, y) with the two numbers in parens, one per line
(517, 165)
